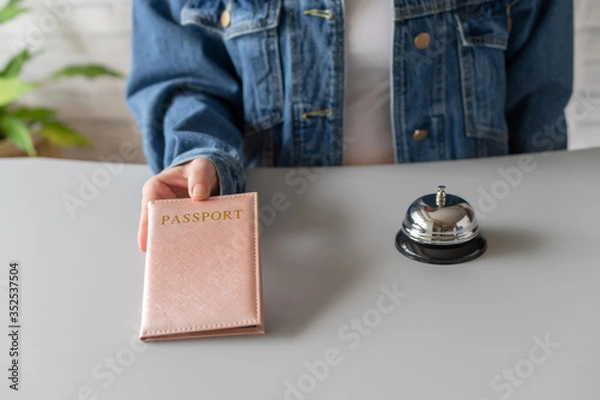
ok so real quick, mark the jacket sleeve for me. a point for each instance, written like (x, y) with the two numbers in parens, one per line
(539, 73)
(184, 93)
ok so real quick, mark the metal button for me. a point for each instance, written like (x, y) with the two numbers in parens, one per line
(225, 18)
(420, 134)
(422, 40)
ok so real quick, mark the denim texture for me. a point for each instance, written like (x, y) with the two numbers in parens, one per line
(268, 89)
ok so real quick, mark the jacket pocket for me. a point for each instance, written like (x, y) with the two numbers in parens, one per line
(248, 30)
(483, 32)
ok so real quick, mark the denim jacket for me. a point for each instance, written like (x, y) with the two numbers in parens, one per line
(261, 82)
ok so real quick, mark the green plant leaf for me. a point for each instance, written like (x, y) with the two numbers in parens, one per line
(33, 114)
(17, 131)
(14, 66)
(12, 10)
(13, 88)
(61, 135)
(88, 71)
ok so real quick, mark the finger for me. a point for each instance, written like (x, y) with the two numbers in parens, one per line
(202, 179)
(153, 189)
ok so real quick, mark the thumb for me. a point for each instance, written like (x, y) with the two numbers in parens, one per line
(202, 179)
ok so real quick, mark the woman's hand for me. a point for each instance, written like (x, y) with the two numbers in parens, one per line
(196, 179)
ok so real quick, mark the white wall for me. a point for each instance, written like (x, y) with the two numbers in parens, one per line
(82, 31)
(584, 111)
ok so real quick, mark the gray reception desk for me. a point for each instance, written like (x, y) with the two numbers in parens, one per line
(347, 316)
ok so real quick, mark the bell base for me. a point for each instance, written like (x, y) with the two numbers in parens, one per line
(441, 255)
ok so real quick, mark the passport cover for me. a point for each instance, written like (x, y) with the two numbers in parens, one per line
(202, 275)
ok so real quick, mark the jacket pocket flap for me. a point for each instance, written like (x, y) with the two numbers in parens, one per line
(244, 16)
(484, 24)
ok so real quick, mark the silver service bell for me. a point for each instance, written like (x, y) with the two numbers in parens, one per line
(440, 228)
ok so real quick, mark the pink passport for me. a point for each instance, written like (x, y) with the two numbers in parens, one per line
(203, 275)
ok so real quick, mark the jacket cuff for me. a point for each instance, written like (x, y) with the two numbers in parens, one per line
(229, 169)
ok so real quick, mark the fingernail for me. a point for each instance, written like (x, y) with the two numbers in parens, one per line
(198, 190)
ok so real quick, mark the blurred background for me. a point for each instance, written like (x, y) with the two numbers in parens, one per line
(98, 32)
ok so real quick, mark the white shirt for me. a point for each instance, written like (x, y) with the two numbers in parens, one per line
(368, 127)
